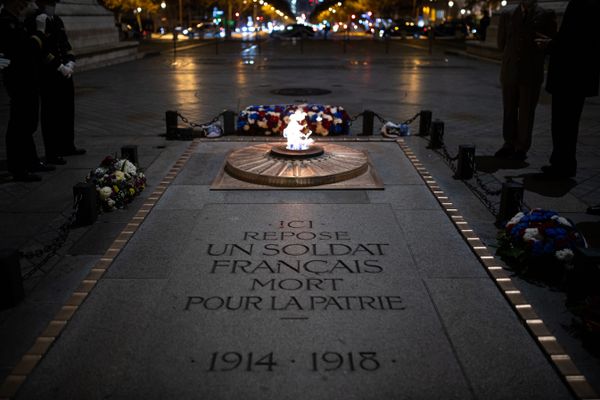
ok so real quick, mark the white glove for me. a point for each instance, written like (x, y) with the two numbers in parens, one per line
(40, 22)
(66, 71)
(4, 62)
(71, 66)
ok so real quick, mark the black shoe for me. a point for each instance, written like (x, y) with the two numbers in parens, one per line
(594, 210)
(504, 152)
(74, 152)
(26, 177)
(41, 167)
(518, 155)
(556, 172)
(56, 160)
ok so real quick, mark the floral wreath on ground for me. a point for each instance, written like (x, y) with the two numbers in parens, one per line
(272, 120)
(117, 181)
(539, 243)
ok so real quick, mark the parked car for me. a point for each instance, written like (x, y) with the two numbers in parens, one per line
(456, 28)
(402, 27)
(294, 30)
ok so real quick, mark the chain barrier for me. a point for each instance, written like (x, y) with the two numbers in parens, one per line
(203, 126)
(354, 118)
(411, 120)
(48, 251)
(484, 186)
(485, 200)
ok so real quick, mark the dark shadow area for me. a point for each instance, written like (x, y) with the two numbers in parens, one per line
(491, 164)
(591, 232)
(546, 185)
(5, 177)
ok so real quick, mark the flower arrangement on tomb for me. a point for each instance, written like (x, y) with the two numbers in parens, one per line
(539, 242)
(321, 119)
(117, 181)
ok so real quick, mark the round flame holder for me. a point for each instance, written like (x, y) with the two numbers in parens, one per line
(272, 165)
(284, 152)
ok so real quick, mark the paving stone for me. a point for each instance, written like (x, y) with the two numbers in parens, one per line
(189, 197)
(436, 246)
(156, 246)
(405, 197)
(298, 197)
(201, 169)
(55, 193)
(97, 239)
(490, 343)
(117, 315)
(21, 328)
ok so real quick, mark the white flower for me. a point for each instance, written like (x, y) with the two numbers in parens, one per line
(128, 169)
(564, 255)
(119, 175)
(532, 234)
(100, 171)
(111, 203)
(262, 124)
(562, 220)
(515, 220)
(105, 192)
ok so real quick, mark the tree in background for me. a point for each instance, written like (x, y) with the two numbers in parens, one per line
(121, 7)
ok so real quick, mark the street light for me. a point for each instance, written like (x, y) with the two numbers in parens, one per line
(163, 5)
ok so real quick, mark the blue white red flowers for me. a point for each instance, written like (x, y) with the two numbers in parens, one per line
(271, 120)
(540, 233)
(117, 181)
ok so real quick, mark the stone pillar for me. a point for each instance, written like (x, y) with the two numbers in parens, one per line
(489, 48)
(93, 34)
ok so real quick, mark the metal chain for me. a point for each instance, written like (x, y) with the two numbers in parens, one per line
(481, 191)
(354, 118)
(380, 118)
(49, 250)
(484, 186)
(491, 206)
(411, 120)
(198, 125)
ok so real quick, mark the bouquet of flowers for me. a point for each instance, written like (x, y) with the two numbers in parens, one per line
(321, 119)
(117, 181)
(538, 240)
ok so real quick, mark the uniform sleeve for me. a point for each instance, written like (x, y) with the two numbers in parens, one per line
(63, 41)
(38, 43)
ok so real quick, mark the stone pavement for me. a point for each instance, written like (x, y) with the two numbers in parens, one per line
(142, 326)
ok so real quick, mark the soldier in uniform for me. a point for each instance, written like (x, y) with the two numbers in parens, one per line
(573, 75)
(57, 92)
(25, 51)
(522, 73)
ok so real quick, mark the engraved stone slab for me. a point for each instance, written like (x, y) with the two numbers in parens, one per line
(271, 294)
